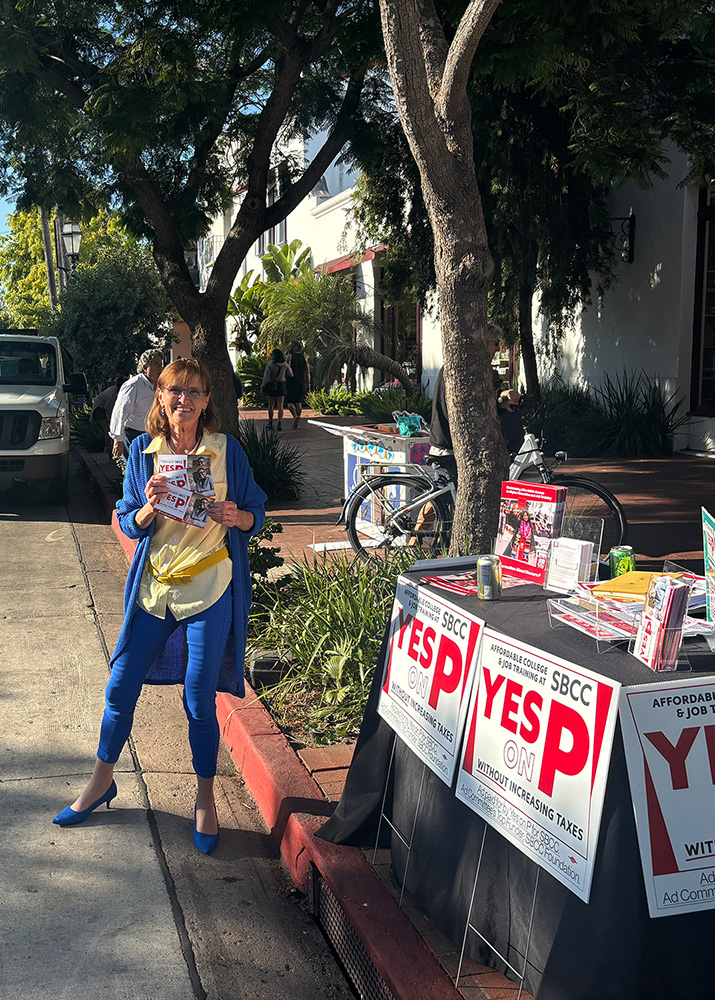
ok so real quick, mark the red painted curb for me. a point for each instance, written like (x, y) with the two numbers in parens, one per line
(293, 808)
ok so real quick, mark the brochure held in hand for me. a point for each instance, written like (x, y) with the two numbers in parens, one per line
(192, 488)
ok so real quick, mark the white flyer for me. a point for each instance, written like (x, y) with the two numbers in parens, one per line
(429, 670)
(669, 739)
(536, 753)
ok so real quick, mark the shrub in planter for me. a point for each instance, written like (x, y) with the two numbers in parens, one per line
(330, 617)
(380, 405)
(336, 401)
(275, 463)
(250, 369)
(83, 431)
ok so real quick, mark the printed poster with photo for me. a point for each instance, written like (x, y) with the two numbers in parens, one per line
(669, 739)
(536, 753)
(429, 669)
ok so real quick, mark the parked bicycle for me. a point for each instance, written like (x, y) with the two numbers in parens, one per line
(412, 507)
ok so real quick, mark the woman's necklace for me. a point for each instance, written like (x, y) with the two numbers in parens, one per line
(197, 444)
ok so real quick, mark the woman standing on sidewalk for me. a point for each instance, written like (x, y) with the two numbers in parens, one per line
(188, 588)
(298, 384)
(274, 385)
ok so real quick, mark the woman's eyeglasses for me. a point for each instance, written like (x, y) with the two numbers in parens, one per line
(179, 390)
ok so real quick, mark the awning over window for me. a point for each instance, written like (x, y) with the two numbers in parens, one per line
(349, 260)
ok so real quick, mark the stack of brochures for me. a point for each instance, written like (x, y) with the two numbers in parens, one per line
(660, 629)
(569, 565)
(530, 517)
(192, 488)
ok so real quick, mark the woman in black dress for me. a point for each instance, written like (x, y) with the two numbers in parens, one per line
(273, 385)
(297, 385)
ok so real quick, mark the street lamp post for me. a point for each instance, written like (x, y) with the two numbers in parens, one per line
(72, 238)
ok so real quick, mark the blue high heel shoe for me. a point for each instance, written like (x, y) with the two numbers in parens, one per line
(206, 842)
(68, 817)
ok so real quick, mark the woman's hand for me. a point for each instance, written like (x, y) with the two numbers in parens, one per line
(227, 512)
(156, 489)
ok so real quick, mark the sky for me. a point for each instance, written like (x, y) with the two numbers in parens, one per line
(6, 208)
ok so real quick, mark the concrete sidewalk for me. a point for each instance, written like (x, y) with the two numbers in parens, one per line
(122, 905)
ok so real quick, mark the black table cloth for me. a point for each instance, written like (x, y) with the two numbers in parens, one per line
(579, 951)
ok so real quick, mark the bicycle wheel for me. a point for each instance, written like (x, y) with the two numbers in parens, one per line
(588, 499)
(391, 511)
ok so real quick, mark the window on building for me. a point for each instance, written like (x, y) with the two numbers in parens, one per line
(703, 381)
(276, 234)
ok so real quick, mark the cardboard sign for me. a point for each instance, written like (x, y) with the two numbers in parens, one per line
(536, 753)
(430, 666)
(669, 738)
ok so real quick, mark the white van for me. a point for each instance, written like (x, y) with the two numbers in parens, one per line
(34, 412)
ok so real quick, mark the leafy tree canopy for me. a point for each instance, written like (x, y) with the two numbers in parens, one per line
(166, 112)
(23, 275)
(565, 101)
(112, 310)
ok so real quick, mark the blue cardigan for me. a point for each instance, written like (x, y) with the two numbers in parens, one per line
(170, 665)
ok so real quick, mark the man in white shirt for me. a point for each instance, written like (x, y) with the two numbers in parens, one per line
(134, 401)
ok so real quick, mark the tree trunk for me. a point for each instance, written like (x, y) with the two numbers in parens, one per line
(526, 339)
(208, 344)
(429, 79)
(367, 358)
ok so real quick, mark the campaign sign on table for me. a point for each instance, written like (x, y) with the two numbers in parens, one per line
(537, 748)
(709, 552)
(669, 738)
(429, 670)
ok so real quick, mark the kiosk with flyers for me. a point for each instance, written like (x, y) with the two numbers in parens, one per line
(526, 844)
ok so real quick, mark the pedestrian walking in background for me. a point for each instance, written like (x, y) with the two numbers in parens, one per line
(187, 584)
(134, 400)
(297, 384)
(273, 385)
(102, 406)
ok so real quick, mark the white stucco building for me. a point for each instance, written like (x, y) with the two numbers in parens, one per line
(659, 316)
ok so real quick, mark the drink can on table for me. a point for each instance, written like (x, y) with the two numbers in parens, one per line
(489, 578)
(621, 559)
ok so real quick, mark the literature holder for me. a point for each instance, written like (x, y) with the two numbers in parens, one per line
(680, 662)
(609, 627)
(671, 637)
(583, 529)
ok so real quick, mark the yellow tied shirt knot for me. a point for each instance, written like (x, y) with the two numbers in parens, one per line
(174, 579)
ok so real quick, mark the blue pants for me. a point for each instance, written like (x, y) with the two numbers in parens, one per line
(206, 635)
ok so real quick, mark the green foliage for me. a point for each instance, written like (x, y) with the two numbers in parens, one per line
(251, 370)
(334, 401)
(381, 404)
(23, 274)
(111, 312)
(274, 462)
(287, 263)
(85, 432)
(330, 618)
(263, 558)
(628, 415)
(323, 312)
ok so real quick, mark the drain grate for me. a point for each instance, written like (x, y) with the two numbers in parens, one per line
(358, 965)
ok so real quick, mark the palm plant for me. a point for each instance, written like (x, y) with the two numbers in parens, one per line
(323, 312)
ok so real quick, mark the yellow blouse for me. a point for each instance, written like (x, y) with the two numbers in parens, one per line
(175, 547)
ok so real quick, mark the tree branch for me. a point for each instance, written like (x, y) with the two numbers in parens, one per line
(474, 22)
(321, 161)
(434, 44)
